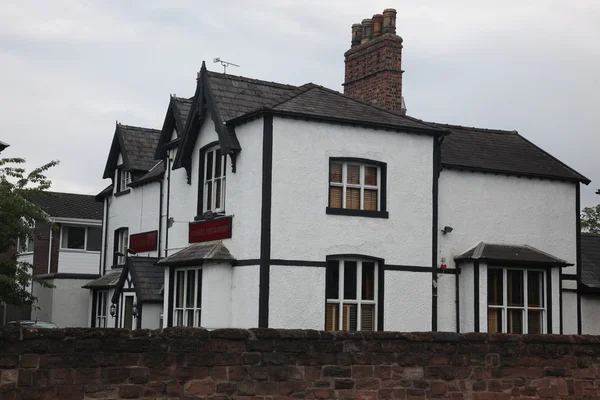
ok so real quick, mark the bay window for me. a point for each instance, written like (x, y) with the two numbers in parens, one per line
(516, 300)
(187, 297)
(81, 238)
(351, 293)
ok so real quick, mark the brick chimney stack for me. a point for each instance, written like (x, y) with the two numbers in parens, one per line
(374, 62)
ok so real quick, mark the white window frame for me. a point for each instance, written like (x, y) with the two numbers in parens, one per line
(525, 308)
(124, 297)
(101, 309)
(122, 245)
(183, 309)
(64, 235)
(359, 301)
(29, 247)
(213, 180)
(362, 186)
(124, 179)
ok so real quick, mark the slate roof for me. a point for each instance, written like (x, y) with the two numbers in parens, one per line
(197, 253)
(3, 145)
(105, 192)
(107, 281)
(182, 108)
(155, 173)
(590, 260)
(69, 205)
(140, 144)
(509, 254)
(147, 277)
(501, 151)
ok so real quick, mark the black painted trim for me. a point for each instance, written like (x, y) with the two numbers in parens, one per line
(200, 202)
(297, 263)
(414, 268)
(138, 318)
(457, 298)
(380, 295)
(169, 315)
(105, 227)
(434, 231)
(160, 210)
(123, 192)
(568, 277)
(356, 213)
(94, 307)
(116, 244)
(549, 301)
(511, 173)
(578, 248)
(168, 172)
(265, 225)
(68, 275)
(476, 299)
(560, 301)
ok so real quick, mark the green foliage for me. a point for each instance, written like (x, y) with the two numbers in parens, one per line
(590, 219)
(19, 215)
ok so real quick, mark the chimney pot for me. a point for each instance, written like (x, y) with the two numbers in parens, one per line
(377, 24)
(367, 30)
(356, 34)
(389, 21)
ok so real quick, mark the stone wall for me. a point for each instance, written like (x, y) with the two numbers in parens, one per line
(179, 363)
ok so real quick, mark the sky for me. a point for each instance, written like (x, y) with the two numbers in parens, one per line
(72, 68)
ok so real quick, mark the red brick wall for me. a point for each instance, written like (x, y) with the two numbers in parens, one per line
(374, 72)
(270, 364)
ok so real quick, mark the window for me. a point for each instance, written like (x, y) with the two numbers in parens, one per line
(121, 245)
(356, 187)
(101, 303)
(81, 238)
(213, 192)
(187, 297)
(351, 292)
(123, 179)
(516, 300)
(25, 246)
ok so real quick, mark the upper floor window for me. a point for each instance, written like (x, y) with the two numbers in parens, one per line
(81, 238)
(187, 297)
(213, 190)
(121, 245)
(351, 293)
(357, 187)
(25, 246)
(123, 179)
(516, 300)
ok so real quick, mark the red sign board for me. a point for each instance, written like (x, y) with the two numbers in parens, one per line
(143, 242)
(210, 230)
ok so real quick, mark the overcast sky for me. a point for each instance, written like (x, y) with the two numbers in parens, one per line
(71, 68)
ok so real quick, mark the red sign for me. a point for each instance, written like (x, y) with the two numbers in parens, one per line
(210, 230)
(143, 242)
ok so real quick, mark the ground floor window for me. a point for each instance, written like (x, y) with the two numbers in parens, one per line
(187, 297)
(101, 310)
(516, 300)
(351, 290)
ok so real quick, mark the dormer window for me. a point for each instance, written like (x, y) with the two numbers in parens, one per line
(123, 179)
(213, 170)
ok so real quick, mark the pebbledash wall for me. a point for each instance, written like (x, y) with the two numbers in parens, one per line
(179, 363)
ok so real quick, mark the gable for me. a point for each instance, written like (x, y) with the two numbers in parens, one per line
(173, 124)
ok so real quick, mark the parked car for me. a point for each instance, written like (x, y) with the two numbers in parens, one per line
(33, 324)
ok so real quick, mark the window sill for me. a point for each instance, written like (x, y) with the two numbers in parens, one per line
(357, 213)
(122, 192)
(217, 215)
(67, 250)
(25, 253)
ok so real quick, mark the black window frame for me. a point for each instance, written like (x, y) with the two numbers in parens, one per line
(202, 160)
(119, 191)
(117, 233)
(382, 213)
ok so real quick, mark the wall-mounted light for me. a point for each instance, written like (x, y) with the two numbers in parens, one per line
(134, 310)
(113, 310)
(447, 229)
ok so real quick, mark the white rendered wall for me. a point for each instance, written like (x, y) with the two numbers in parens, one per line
(590, 314)
(407, 301)
(166, 295)
(300, 228)
(244, 296)
(151, 315)
(446, 302)
(570, 313)
(66, 305)
(42, 309)
(467, 297)
(297, 297)
(78, 261)
(25, 257)
(216, 295)
(555, 300)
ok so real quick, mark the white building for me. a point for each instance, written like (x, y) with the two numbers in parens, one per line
(271, 205)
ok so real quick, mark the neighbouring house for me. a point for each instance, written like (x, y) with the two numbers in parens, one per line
(260, 204)
(589, 293)
(66, 253)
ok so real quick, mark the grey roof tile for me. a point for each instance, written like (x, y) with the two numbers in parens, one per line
(140, 144)
(197, 253)
(147, 277)
(510, 253)
(109, 280)
(155, 173)
(69, 205)
(590, 260)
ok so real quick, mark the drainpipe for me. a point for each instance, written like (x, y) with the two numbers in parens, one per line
(160, 215)
(168, 202)
(106, 233)
(50, 245)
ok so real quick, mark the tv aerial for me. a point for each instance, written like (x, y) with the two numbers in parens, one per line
(225, 64)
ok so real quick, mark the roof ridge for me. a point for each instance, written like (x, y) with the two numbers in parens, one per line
(69, 193)
(284, 98)
(139, 128)
(251, 80)
(465, 127)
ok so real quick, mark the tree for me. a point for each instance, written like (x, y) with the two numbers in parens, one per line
(590, 219)
(19, 215)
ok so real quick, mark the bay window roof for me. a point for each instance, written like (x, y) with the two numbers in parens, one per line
(510, 254)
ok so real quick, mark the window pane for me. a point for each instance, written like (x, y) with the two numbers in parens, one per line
(208, 205)
(198, 315)
(367, 317)
(515, 287)
(332, 319)
(190, 318)
(350, 280)
(191, 288)
(179, 286)
(534, 321)
(335, 173)
(209, 165)
(535, 296)
(75, 237)
(218, 193)
(178, 317)
(199, 290)
(29, 244)
(350, 317)
(94, 240)
(353, 172)
(494, 320)
(495, 294)
(370, 201)
(371, 176)
(332, 280)
(368, 281)
(515, 321)
(335, 197)
(218, 161)
(353, 198)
